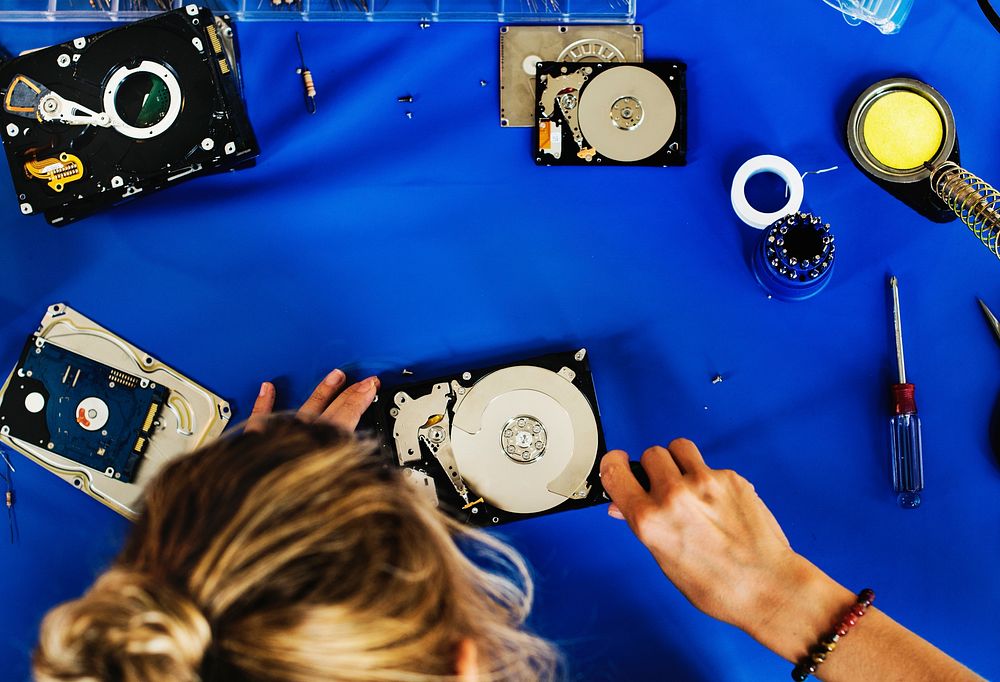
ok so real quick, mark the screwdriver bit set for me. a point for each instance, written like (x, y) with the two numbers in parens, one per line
(794, 258)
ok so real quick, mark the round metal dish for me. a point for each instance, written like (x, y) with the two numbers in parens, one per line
(856, 125)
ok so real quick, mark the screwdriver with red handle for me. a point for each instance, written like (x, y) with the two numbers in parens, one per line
(904, 426)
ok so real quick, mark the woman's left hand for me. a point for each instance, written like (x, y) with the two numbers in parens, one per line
(328, 403)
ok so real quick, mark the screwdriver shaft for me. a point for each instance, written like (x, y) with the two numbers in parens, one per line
(898, 325)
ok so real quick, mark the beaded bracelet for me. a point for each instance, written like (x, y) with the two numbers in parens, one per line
(808, 664)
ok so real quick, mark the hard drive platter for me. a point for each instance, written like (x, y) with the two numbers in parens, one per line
(499, 444)
(611, 114)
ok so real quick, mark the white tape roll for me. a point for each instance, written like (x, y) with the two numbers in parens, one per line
(768, 163)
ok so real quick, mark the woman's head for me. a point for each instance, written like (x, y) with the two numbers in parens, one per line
(295, 554)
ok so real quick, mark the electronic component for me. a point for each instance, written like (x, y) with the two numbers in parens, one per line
(308, 86)
(523, 47)
(98, 412)
(10, 499)
(611, 114)
(56, 172)
(498, 444)
(91, 113)
(84, 410)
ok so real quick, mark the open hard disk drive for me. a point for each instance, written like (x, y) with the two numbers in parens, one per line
(499, 444)
(522, 47)
(100, 413)
(100, 119)
(611, 114)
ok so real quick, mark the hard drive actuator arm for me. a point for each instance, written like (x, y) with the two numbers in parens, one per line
(425, 420)
(31, 99)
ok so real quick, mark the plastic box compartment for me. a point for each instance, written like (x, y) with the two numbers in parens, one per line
(514, 11)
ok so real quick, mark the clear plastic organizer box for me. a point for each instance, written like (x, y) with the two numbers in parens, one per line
(513, 11)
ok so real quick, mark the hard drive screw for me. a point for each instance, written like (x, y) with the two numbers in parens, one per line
(424, 24)
(207, 144)
(394, 412)
(409, 114)
(466, 376)
(63, 60)
(482, 84)
(717, 379)
(437, 434)
(405, 99)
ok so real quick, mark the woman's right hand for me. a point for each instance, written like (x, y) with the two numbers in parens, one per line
(718, 543)
(712, 536)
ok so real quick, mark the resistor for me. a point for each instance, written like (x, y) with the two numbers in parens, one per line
(10, 499)
(307, 80)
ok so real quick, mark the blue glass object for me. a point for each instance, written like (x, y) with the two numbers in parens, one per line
(887, 16)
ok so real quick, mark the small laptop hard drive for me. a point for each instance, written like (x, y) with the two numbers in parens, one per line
(100, 413)
(611, 114)
(522, 47)
(500, 444)
(103, 118)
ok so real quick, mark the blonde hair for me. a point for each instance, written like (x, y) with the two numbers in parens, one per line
(294, 554)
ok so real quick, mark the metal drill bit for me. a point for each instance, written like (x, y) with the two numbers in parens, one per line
(898, 326)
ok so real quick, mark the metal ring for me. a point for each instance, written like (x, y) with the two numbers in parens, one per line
(173, 109)
(856, 124)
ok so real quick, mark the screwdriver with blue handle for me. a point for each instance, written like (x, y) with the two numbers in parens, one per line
(904, 427)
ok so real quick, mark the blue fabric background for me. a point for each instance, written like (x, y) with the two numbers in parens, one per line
(370, 241)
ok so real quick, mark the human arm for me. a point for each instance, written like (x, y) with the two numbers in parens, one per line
(722, 548)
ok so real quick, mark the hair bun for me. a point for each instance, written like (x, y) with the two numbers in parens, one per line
(128, 627)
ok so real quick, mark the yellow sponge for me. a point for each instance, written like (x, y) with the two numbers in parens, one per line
(903, 130)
